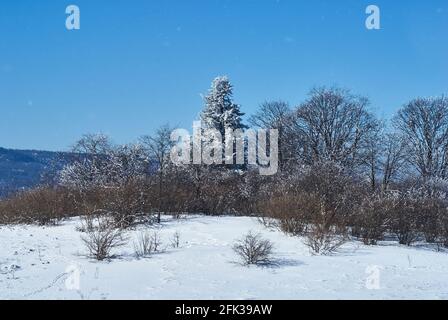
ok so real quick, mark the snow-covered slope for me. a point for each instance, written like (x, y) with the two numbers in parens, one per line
(42, 263)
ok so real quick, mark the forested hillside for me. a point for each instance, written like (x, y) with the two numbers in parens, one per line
(23, 169)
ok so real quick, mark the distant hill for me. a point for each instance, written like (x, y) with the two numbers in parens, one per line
(23, 169)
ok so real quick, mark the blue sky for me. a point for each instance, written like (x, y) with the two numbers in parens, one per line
(136, 65)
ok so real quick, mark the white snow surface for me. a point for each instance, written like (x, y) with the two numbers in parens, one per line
(38, 263)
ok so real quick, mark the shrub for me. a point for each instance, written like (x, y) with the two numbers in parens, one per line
(102, 237)
(432, 212)
(372, 219)
(147, 244)
(323, 240)
(156, 241)
(330, 194)
(143, 247)
(443, 233)
(253, 250)
(175, 240)
(404, 220)
(289, 213)
(42, 205)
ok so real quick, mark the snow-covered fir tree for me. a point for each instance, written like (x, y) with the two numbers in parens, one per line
(220, 112)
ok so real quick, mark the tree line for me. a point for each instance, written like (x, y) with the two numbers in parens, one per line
(343, 173)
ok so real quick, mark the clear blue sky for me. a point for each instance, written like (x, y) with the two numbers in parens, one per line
(135, 65)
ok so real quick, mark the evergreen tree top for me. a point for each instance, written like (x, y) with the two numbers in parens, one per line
(220, 112)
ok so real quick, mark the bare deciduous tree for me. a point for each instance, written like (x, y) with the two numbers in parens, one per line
(373, 151)
(423, 124)
(393, 160)
(158, 148)
(334, 125)
(89, 166)
(278, 115)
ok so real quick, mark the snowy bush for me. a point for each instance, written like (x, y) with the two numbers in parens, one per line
(324, 241)
(175, 240)
(373, 219)
(125, 203)
(144, 246)
(102, 236)
(317, 204)
(289, 213)
(147, 244)
(253, 250)
(156, 241)
(405, 214)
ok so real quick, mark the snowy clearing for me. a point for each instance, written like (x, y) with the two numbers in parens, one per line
(35, 263)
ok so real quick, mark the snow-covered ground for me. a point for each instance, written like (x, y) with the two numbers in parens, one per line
(43, 263)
